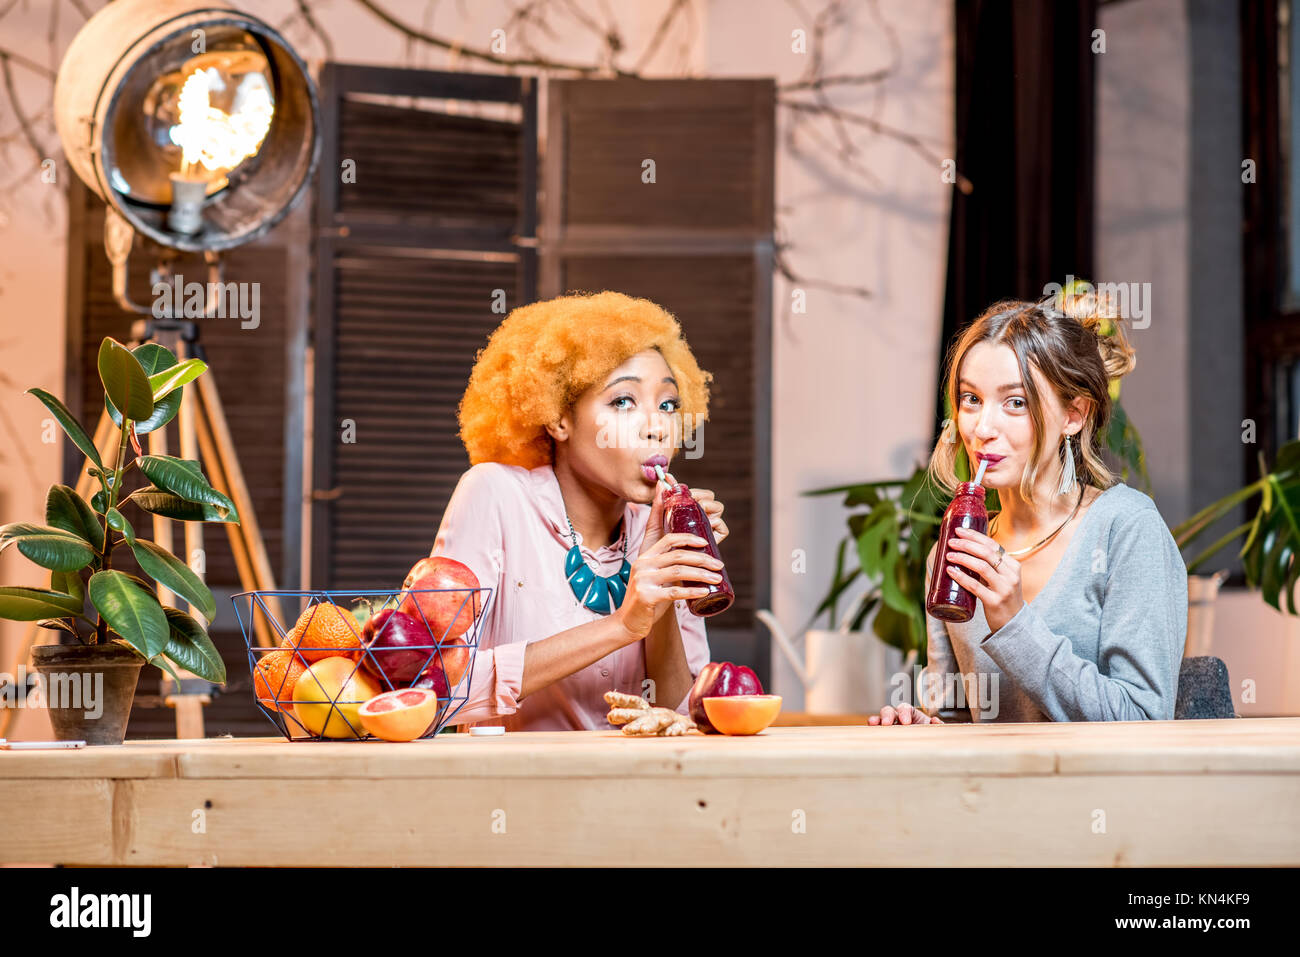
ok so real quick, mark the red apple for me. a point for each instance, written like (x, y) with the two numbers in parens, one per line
(449, 613)
(434, 680)
(398, 645)
(720, 679)
(443, 612)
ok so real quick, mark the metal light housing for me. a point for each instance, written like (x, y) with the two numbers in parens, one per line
(116, 108)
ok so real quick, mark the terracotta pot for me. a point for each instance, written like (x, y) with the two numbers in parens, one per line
(88, 689)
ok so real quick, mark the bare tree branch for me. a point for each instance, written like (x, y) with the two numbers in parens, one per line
(22, 179)
(23, 122)
(783, 266)
(660, 32)
(809, 130)
(305, 9)
(529, 13)
(32, 65)
(908, 139)
(853, 79)
(472, 52)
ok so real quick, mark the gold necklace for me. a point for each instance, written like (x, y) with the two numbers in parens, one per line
(1025, 551)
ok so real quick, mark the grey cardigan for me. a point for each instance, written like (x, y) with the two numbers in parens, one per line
(1102, 640)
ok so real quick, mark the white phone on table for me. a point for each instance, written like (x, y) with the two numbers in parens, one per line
(39, 745)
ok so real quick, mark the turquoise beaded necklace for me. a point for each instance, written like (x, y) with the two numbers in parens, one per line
(601, 593)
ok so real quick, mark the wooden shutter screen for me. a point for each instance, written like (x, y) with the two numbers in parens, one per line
(408, 258)
(698, 241)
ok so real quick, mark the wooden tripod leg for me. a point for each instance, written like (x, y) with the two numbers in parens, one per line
(193, 531)
(189, 714)
(214, 417)
(105, 440)
(229, 461)
(266, 637)
(188, 706)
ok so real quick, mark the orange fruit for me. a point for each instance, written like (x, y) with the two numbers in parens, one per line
(742, 713)
(401, 715)
(325, 631)
(274, 677)
(329, 695)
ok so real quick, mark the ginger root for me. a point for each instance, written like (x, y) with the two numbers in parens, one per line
(638, 718)
(630, 702)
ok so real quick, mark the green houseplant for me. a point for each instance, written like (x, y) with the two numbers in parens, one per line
(116, 617)
(1272, 535)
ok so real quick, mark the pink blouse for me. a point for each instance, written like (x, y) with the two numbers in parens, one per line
(508, 524)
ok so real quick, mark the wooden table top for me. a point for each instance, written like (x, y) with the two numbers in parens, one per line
(1230, 746)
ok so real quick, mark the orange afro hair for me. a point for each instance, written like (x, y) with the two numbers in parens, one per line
(545, 355)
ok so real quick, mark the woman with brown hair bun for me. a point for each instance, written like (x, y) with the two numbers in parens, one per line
(568, 409)
(1081, 592)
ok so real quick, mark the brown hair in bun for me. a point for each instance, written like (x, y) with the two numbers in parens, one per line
(1098, 310)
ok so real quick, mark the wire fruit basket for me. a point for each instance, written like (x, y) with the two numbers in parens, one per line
(312, 673)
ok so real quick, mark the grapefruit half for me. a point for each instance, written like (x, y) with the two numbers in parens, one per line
(401, 715)
(742, 713)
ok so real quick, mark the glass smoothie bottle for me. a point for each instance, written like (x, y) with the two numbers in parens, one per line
(683, 514)
(947, 600)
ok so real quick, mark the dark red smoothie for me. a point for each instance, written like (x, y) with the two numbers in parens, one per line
(683, 514)
(946, 599)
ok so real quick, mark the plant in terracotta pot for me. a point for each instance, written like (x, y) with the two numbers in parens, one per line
(116, 617)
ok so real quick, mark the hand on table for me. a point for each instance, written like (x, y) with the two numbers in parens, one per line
(903, 714)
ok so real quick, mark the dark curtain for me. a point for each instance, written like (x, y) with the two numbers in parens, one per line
(1026, 106)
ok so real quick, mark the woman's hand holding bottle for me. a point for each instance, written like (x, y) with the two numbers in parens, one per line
(656, 579)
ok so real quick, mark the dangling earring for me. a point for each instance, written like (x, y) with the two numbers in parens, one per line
(1067, 474)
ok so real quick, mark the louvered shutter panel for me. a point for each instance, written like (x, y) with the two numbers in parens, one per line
(411, 259)
(698, 241)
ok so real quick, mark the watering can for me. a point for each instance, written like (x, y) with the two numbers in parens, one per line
(1201, 592)
(847, 672)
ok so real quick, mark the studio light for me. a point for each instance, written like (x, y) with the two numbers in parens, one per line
(196, 122)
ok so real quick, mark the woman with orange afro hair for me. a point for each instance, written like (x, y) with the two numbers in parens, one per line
(569, 408)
